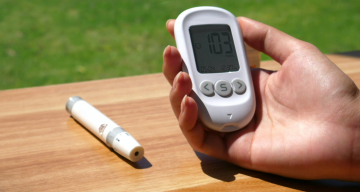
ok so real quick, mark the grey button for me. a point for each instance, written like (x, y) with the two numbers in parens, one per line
(239, 86)
(207, 88)
(223, 88)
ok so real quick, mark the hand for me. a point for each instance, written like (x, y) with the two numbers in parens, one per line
(307, 119)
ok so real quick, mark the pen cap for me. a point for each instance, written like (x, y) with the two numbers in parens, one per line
(125, 145)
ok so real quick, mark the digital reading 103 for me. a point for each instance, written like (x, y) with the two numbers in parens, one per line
(219, 54)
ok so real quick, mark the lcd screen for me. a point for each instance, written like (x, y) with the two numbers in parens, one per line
(214, 49)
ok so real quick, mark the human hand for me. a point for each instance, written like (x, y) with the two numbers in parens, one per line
(307, 119)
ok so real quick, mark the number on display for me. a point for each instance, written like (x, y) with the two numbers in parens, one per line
(215, 43)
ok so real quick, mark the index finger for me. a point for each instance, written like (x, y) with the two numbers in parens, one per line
(170, 26)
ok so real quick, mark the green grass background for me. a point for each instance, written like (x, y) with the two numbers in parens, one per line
(46, 42)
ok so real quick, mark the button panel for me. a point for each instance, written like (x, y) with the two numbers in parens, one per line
(223, 88)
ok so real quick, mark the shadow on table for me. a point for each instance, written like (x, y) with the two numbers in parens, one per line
(142, 164)
(350, 53)
(226, 172)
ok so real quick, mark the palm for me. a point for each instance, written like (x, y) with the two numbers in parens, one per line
(294, 125)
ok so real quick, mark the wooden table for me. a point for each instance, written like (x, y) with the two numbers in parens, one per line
(43, 149)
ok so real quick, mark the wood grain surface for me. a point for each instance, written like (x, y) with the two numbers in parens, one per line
(43, 149)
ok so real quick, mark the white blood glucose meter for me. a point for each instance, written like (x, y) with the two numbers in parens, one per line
(211, 45)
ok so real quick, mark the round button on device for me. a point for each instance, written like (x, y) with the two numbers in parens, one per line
(223, 88)
(207, 88)
(239, 86)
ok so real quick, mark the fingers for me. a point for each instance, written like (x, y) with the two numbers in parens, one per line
(269, 40)
(188, 114)
(172, 63)
(206, 142)
(181, 86)
(185, 108)
(170, 26)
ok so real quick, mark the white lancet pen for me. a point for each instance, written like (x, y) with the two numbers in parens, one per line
(105, 129)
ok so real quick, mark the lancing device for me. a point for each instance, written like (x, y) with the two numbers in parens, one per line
(105, 129)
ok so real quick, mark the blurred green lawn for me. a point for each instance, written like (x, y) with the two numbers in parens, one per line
(46, 42)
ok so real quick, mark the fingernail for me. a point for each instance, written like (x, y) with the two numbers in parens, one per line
(183, 102)
(167, 22)
(176, 80)
(165, 50)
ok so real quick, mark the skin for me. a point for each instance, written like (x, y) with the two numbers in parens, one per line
(307, 119)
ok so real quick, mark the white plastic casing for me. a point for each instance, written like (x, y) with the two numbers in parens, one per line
(224, 114)
(105, 129)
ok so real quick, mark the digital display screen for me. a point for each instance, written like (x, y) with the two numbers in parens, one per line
(214, 48)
